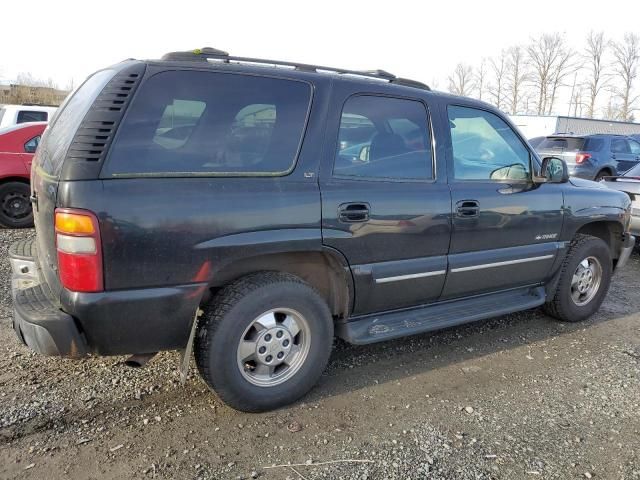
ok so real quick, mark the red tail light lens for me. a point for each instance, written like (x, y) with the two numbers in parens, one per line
(582, 157)
(79, 250)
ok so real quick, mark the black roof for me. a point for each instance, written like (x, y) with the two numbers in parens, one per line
(209, 54)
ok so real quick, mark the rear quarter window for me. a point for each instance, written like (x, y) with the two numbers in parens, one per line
(185, 123)
(57, 138)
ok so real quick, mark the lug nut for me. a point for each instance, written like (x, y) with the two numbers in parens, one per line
(269, 358)
(262, 349)
(285, 343)
(267, 337)
(279, 334)
(280, 355)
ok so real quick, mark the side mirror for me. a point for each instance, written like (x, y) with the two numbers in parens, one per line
(553, 170)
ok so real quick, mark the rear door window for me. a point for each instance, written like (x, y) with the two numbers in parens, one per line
(619, 145)
(205, 123)
(384, 138)
(634, 147)
(25, 116)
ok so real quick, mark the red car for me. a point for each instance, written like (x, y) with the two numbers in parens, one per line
(17, 146)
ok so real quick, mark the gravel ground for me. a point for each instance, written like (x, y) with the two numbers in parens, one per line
(520, 396)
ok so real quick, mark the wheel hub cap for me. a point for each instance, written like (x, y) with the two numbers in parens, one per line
(586, 281)
(273, 347)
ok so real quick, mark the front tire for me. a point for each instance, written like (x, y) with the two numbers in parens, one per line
(584, 280)
(264, 342)
(15, 205)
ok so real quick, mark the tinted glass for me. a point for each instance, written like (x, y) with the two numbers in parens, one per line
(32, 144)
(383, 137)
(593, 144)
(199, 123)
(25, 116)
(485, 147)
(619, 145)
(634, 147)
(561, 143)
(57, 138)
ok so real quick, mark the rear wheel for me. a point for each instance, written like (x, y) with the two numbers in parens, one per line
(15, 206)
(584, 280)
(264, 341)
(601, 174)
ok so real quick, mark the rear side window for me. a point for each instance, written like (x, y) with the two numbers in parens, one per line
(561, 143)
(593, 144)
(382, 137)
(32, 145)
(203, 123)
(634, 147)
(25, 116)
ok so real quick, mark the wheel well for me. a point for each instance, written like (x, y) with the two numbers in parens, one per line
(605, 169)
(320, 270)
(609, 232)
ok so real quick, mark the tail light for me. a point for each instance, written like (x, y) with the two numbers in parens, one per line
(582, 157)
(79, 250)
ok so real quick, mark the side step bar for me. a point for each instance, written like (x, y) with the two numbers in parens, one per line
(400, 323)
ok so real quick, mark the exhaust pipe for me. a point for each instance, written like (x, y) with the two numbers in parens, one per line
(139, 360)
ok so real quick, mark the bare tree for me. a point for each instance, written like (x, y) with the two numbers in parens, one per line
(461, 81)
(596, 68)
(626, 58)
(516, 76)
(550, 61)
(499, 70)
(480, 78)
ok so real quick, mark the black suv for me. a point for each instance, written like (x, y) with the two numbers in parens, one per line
(251, 209)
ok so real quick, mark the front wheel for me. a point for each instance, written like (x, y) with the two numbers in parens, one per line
(584, 280)
(15, 205)
(264, 342)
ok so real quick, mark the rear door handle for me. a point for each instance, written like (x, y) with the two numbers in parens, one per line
(467, 208)
(353, 212)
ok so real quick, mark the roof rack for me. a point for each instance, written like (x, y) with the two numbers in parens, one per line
(208, 54)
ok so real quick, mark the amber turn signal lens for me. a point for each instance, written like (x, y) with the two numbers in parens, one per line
(74, 223)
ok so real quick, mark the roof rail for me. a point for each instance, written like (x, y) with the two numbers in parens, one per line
(208, 54)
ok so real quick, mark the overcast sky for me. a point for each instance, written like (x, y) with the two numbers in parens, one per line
(420, 40)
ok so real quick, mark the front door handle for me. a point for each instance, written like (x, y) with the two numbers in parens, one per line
(468, 208)
(353, 212)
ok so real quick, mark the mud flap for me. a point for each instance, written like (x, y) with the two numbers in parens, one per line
(185, 355)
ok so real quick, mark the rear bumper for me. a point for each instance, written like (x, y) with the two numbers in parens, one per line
(625, 252)
(38, 321)
(106, 323)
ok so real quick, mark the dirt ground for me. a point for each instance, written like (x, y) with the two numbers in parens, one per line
(520, 396)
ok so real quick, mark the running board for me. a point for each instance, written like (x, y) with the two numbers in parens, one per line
(401, 323)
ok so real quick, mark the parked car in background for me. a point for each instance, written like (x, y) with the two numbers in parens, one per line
(592, 156)
(17, 114)
(17, 147)
(630, 184)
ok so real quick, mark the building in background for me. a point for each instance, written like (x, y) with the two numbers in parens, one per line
(23, 94)
(541, 125)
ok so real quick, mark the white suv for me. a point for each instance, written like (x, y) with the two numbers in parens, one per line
(14, 114)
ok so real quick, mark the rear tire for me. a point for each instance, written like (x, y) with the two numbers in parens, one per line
(15, 205)
(584, 280)
(264, 341)
(601, 174)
